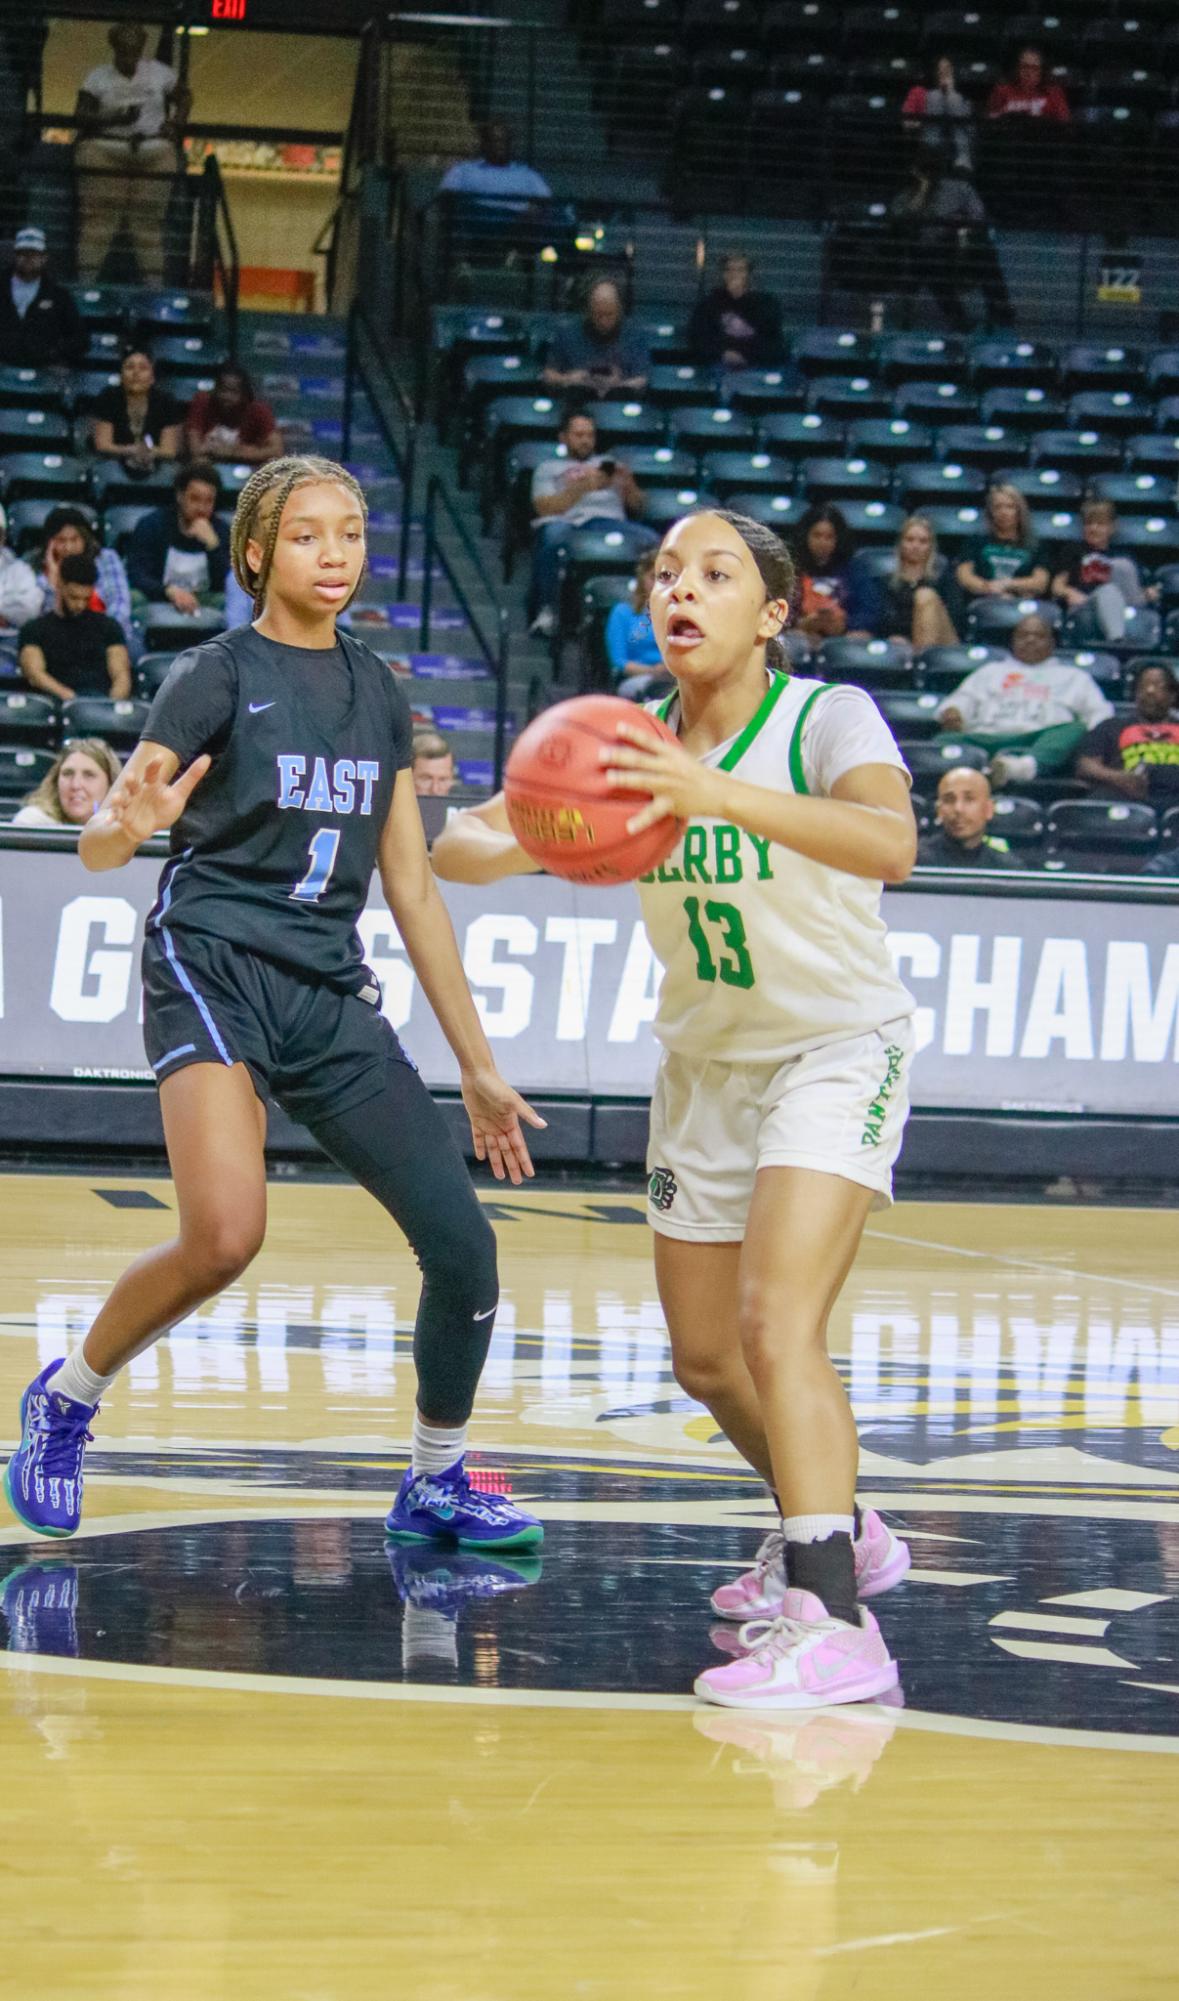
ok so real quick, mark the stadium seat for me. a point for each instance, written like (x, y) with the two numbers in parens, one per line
(833, 351)
(936, 403)
(909, 714)
(32, 389)
(191, 312)
(780, 511)
(1115, 410)
(927, 758)
(671, 503)
(164, 626)
(785, 154)
(873, 522)
(808, 24)
(685, 383)
(24, 429)
(1046, 486)
(894, 441)
(27, 719)
(113, 485)
(701, 428)
(120, 523)
(118, 723)
(992, 620)
(26, 521)
(1020, 822)
(638, 20)
(1150, 538)
(21, 771)
(627, 425)
(923, 358)
(746, 472)
(768, 390)
(1103, 836)
(719, 20)
(844, 479)
(26, 475)
(797, 434)
(942, 668)
(849, 397)
(727, 66)
(1086, 452)
(1153, 451)
(1166, 582)
(1106, 669)
(869, 663)
(991, 446)
(512, 419)
(1144, 625)
(660, 465)
(1027, 409)
(1089, 367)
(151, 673)
(1162, 373)
(940, 483)
(1013, 364)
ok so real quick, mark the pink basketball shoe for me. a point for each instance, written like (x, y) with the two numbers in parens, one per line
(881, 1559)
(803, 1659)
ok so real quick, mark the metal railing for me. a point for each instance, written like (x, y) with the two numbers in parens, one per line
(367, 365)
(493, 646)
(215, 260)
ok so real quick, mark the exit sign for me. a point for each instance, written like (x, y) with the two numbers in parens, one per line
(229, 10)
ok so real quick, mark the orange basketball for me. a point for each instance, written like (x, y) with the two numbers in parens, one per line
(563, 810)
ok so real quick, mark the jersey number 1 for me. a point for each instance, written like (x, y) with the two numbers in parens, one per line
(735, 970)
(321, 860)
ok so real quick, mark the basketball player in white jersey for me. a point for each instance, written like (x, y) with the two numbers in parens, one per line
(783, 1083)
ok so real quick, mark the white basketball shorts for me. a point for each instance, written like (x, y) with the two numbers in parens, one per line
(838, 1110)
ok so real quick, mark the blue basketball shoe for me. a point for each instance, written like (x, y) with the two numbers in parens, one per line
(445, 1581)
(40, 1603)
(444, 1506)
(43, 1479)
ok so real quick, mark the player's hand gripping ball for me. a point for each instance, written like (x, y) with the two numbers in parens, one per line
(562, 805)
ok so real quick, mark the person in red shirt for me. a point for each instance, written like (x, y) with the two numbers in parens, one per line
(1029, 95)
(229, 422)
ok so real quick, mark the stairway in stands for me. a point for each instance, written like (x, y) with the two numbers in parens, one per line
(298, 367)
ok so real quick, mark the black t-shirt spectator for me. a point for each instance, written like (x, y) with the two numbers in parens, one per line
(75, 649)
(1134, 745)
(48, 334)
(940, 850)
(160, 554)
(750, 326)
(111, 408)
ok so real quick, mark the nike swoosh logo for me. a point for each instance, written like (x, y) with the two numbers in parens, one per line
(488, 1314)
(256, 708)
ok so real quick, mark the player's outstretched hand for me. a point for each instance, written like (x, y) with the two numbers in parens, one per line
(680, 786)
(144, 805)
(495, 1112)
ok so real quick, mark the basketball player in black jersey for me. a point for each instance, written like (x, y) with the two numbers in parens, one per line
(279, 755)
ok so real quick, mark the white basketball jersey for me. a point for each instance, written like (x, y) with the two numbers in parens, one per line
(766, 953)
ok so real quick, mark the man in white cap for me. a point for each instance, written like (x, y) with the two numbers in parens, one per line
(40, 326)
(130, 112)
(20, 593)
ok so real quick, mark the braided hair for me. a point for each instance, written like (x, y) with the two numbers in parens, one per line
(260, 509)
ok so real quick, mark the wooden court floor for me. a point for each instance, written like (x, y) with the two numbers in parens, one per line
(249, 1750)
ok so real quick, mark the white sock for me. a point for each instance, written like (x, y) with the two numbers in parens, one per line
(817, 1528)
(77, 1381)
(436, 1446)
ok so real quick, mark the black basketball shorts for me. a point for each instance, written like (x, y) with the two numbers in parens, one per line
(314, 1050)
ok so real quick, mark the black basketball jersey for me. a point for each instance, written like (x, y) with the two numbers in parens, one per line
(277, 846)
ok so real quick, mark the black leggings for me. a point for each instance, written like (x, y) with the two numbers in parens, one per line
(396, 1144)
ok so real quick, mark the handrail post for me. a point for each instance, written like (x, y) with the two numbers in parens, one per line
(407, 486)
(501, 698)
(349, 381)
(428, 559)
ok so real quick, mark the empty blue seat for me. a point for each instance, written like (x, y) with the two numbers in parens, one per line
(1089, 367)
(923, 358)
(941, 669)
(869, 663)
(844, 479)
(850, 397)
(27, 718)
(1102, 835)
(703, 428)
(892, 440)
(993, 620)
(117, 723)
(1119, 410)
(1085, 452)
(830, 351)
(940, 483)
(936, 402)
(798, 434)
(1135, 492)
(1012, 364)
(991, 446)
(24, 475)
(747, 472)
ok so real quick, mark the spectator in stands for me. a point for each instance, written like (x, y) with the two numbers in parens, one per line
(1005, 562)
(68, 532)
(1031, 712)
(733, 326)
(495, 177)
(20, 593)
(74, 786)
(73, 650)
(1139, 758)
(40, 326)
(569, 492)
(963, 838)
(636, 663)
(942, 226)
(129, 113)
(601, 353)
(136, 422)
(835, 597)
(229, 421)
(178, 553)
(940, 117)
(920, 600)
(434, 774)
(1028, 95)
(1096, 587)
